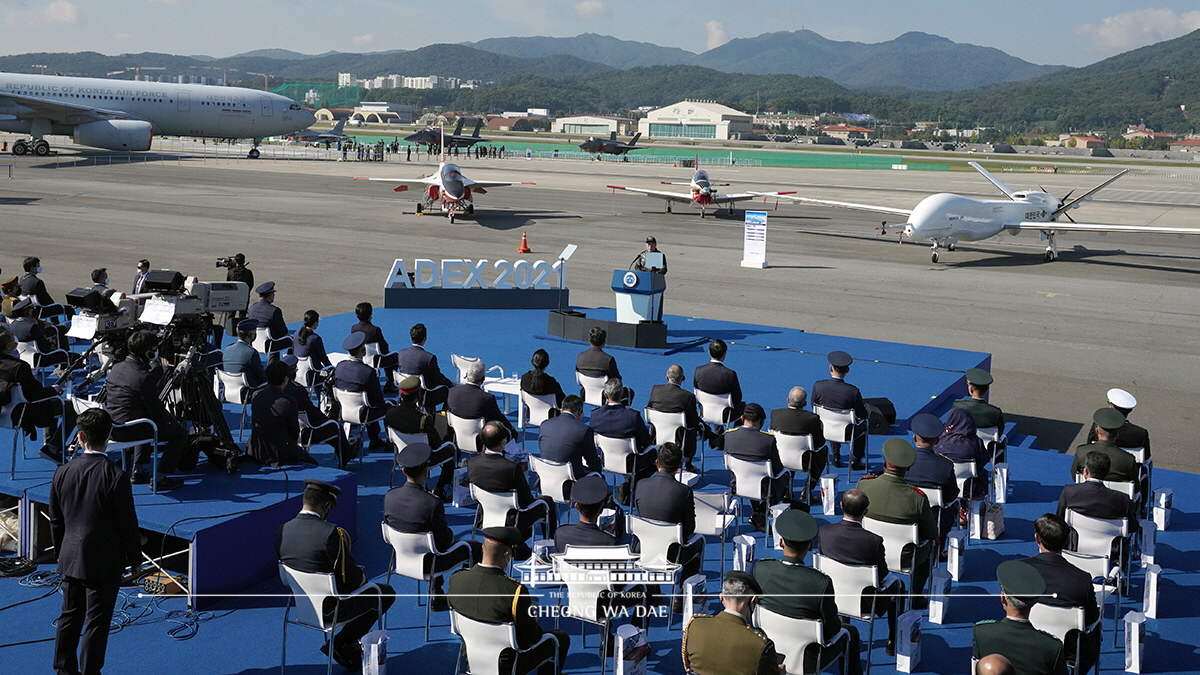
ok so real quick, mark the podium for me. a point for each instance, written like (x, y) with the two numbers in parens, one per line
(638, 295)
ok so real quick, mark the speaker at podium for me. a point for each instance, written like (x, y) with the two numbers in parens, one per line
(639, 295)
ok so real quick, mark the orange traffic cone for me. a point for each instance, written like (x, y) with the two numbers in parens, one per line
(524, 248)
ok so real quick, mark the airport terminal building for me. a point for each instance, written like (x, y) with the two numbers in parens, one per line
(696, 119)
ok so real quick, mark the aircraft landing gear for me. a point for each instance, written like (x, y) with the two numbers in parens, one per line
(20, 148)
(420, 209)
(669, 210)
(1052, 247)
(933, 250)
(470, 209)
(38, 147)
(253, 154)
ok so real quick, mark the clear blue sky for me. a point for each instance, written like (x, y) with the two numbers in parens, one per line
(1071, 32)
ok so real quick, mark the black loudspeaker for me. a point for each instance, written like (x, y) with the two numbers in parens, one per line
(881, 415)
(163, 281)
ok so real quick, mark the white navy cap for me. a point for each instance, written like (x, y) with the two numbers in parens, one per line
(1122, 399)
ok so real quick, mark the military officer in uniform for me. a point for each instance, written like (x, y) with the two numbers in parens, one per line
(931, 470)
(412, 509)
(1130, 436)
(837, 394)
(985, 414)
(1031, 651)
(795, 590)
(485, 593)
(726, 644)
(1122, 467)
(406, 417)
(751, 443)
(270, 317)
(318, 429)
(387, 359)
(673, 398)
(354, 376)
(309, 543)
(892, 500)
(242, 357)
(794, 420)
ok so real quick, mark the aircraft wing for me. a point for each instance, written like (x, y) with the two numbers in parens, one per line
(66, 113)
(1094, 227)
(745, 196)
(661, 194)
(495, 183)
(838, 205)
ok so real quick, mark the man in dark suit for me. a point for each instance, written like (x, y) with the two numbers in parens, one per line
(1122, 465)
(1031, 651)
(663, 498)
(673, 398)
(309, 543)
(406, 417)
(270, 317)
(717, 379)
(318, 429)
(494, 472)
(100, 280)
(31, 284)
(353, 375)
(1092, 498)
(485, 593)
(615, 419)
(94, 528)
(727, 644)
(412, 509)
(242, 357)
(470, 401)
(566, 439)
(849, 543)
(275, 423)
(751, 443)
(414, 360)
(131, 390)
(16, 375)
(985, 414)
(143, 268)
(794, 420)
(387, 359)
(931, 470)
(837, 394)
(595, 362)
(1066, 586)
(795, 590)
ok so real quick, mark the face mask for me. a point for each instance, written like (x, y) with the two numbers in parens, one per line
(39, 269)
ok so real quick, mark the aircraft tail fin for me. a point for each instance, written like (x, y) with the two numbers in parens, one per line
(337, 128)
(458, 127)
(633, 141)
(612, 136)
(478, 126)
(995, 181)
(1059, 211)
(443, 143)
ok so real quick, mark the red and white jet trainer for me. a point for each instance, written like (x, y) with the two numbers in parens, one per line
(947, 219)
(701, 193)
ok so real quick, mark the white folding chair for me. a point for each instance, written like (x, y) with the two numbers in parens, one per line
(795, 453)
(266, 345)
(593, 388)
(656, 539)
(307, 376)
(235, 388)
(715, 410)
(753, 479)
(584, 586)
(842, 426)
(1060, 622)
(466, 432)
(849, 584)
(413, 556)
(668, 427)
(12, 417)
(462, 363)
(402, 441)
(310, 591)
(148, 436)
(532, 410)
(792, 637)
(897, 537)
(483, 642)
(1093, 554)
(619, 457)
(498, 508)
(39, 360)
(353, 410)
(715, 513)
(555, 478)
(994, 440)
(1128, 488)
(966, 473)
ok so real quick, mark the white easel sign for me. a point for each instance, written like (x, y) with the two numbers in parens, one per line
(755, 240)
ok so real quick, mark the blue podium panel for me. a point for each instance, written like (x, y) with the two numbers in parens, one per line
(640, 283)
(638, 295)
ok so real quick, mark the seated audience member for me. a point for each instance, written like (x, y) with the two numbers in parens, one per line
(315, 427)
(837, 394)
(1066, 585)
(43, 335)
(308, 344)
(750, 443)
(1092, 498)
(932, 470)
(242, 357)
(275, 423)
(795, 590)
(494, 472)
(414, 360)
(985, 414)
(663, 498)
(353, 375)
(615, 419)
(960, 443)
(17, 376)
(794, 420)
(407, 417)
(412, 509)
(270, 317)
(1122, 465)
(566, 439)
(994, 664)
(388, 359)
(31, 285)
(471, 402)
(309, 543)
(728, 642)
(538, 382)
(717, 379)
(595, 362)
(673, 398)
(1031, 651)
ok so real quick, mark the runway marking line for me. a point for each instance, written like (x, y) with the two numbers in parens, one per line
(1054, 295)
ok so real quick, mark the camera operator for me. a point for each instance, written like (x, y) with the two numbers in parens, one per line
(270, 317)
(16, 373)
(237, 272)
(132, 392)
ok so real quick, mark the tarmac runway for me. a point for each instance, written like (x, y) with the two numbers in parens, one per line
(1116, 310)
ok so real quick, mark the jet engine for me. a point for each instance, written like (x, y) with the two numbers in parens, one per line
(132, 135)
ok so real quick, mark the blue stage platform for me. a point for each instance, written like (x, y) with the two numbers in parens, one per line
(244, 635)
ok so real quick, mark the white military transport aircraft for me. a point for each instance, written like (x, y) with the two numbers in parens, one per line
(126, 115)
(949, 218)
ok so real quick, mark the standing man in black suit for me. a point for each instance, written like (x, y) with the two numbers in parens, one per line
(413, 509)
(270, 317)
(931, 470)
(387, 359)
(143, 268)
(494, 472)
(353, 375)
(95, 531)
(794, 420)
(673, 398)
(275, 423)
(1066, 586)
(615, 419)
(310, 543)
(717, 379)
(414, 360)
(849, 543)
(566, 439)
(664, 498)
(751, 443)
(470, 401)
(131, 393)
(837, 394)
